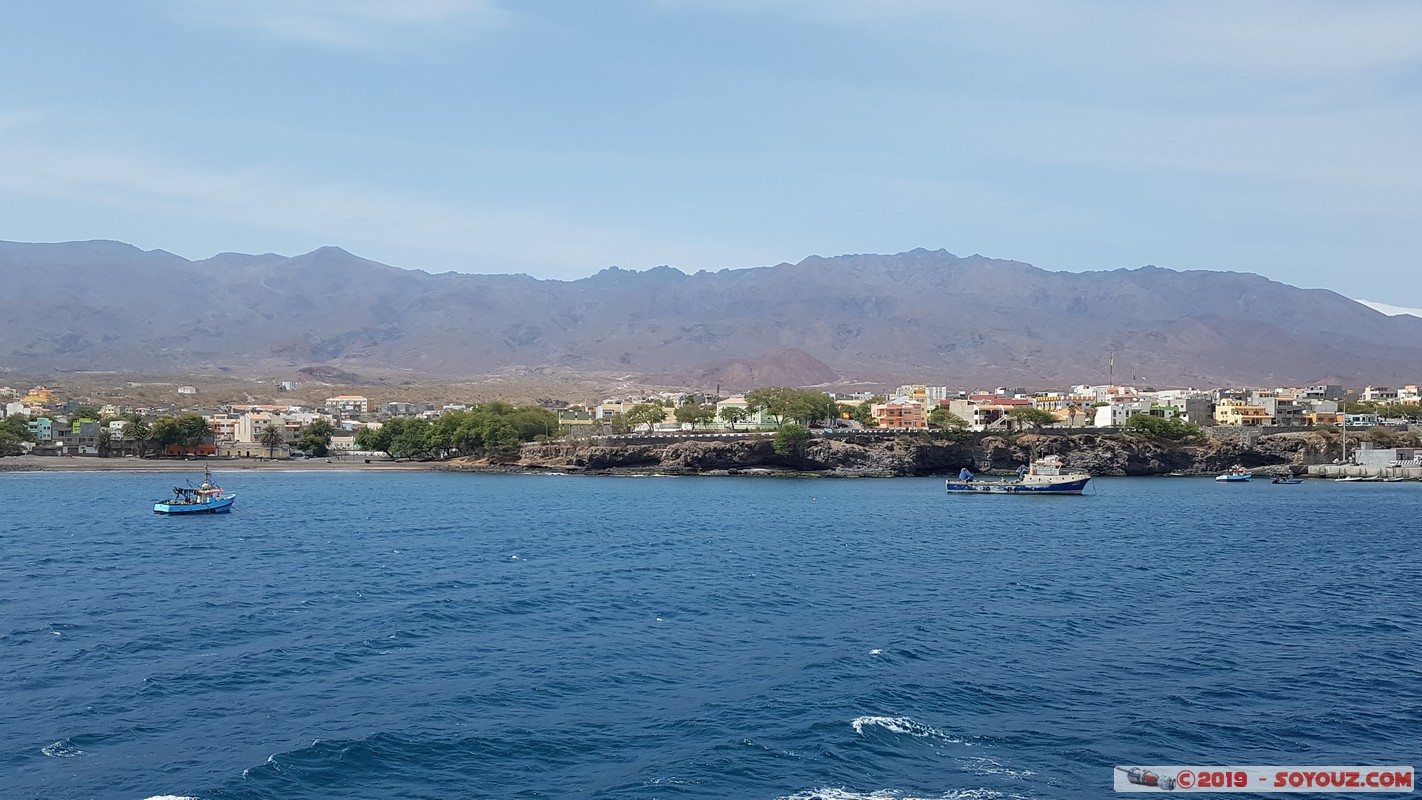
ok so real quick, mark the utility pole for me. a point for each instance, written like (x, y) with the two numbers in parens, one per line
(1110, 368)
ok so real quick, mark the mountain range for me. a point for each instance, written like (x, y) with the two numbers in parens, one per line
(920, 316)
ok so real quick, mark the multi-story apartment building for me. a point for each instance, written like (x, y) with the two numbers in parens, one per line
(899, 414)
(1378, 394)
(348, 404)
(1232, 411)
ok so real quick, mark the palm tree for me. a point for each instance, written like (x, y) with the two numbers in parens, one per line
(140, 434)
(272, 438)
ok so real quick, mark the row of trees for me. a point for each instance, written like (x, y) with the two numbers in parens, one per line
(781, 404)
(494, 430)
(188, 431)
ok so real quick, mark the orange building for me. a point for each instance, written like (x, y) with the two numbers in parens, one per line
(899, 415)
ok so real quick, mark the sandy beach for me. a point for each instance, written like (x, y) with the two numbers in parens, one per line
(130, 464)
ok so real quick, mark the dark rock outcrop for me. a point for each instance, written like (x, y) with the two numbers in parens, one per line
(858, 455)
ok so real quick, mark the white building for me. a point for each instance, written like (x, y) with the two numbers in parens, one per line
(1116, 415)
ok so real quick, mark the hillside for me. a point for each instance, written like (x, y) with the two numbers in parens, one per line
(916, 316)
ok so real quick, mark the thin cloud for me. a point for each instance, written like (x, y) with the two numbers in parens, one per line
(349, 24)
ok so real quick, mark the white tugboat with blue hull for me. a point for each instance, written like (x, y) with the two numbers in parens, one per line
(209, 498)
(1046, 475)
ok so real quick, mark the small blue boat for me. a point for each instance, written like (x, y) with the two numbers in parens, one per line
(1235, 474)
(209, 498)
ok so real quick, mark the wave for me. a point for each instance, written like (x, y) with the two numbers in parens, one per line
(988, 766)
(905, 726)
(61, 749)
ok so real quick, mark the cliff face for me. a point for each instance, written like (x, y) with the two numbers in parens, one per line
(928, 454)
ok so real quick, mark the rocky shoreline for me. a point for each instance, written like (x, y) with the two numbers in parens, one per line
(861, 455)
(915, 454)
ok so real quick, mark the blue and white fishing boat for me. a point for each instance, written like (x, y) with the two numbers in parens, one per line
(1045, 475)
(209, 498)
(1235, 474)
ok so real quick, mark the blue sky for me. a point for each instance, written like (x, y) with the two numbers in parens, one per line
(558, 138)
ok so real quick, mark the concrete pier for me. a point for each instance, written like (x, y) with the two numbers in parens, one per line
(1362, 471)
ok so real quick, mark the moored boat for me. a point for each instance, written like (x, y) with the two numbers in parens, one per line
(1287, 480)
(209, 498)
(1045, 475)
(1235, 474)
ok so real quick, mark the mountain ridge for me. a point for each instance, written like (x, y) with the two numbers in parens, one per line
(921, 315)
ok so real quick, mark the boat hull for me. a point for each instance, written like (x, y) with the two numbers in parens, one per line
(214, 507)
(1234, 478)
(1014, 487)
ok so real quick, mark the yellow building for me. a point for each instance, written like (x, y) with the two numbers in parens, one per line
(1238, 412)
(913, 391)
(38, 396)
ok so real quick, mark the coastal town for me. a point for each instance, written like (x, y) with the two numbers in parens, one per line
(47, 421)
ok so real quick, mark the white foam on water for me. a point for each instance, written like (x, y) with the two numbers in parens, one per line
(988, 766)
(876, 651)
(841, 793)
(905, 726)
(61, 749)
(170, 797)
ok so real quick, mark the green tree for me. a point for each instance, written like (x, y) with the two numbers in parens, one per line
(773, 400)
(645, 414)
(316, 438)
(165, 432)
(791, 439)
(945, 420)
(411, 438)
(1172, 428)
(138, 432)
(784, 404)
(811, 406)
(85, 412)
(694, 413)
(106, 442)
(501, 441)
(617, 423)
(374, 438)
(14, 430)
(733, 414)
(864, 412)
(184, 430)
(532, 422)
(271, 438)
(1407, 411)
(1035, 417)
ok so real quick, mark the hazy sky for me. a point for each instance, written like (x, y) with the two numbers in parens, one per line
(558, 138)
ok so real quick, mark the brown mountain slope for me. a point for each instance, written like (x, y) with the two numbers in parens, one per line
(922, 316)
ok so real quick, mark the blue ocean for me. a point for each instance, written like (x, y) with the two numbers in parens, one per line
(433, 635)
